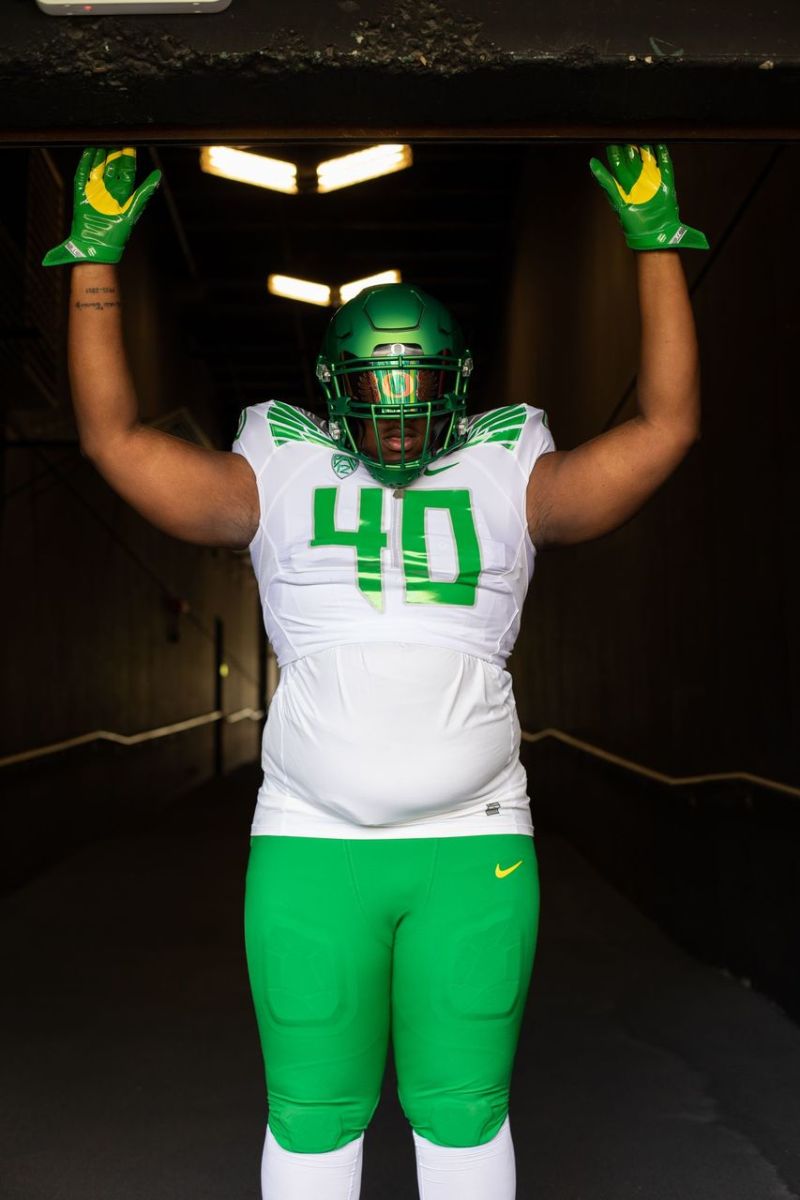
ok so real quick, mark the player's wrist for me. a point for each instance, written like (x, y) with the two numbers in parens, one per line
(94, 270)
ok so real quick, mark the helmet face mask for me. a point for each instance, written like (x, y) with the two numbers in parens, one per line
(390, 356)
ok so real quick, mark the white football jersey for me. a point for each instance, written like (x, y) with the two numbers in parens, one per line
(392, 614)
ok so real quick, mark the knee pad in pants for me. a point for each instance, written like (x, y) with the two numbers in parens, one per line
(456, 1120)
(308, 1128)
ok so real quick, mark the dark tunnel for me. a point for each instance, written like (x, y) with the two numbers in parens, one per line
(656, 675)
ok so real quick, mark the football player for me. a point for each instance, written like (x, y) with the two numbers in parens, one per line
(392, 883)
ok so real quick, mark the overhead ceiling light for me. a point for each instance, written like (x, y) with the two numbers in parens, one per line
(349, 290)
(299, 289)
(273, 173)
(364, 164)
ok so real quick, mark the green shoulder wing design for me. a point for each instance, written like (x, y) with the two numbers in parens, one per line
(502, 425)
(288, 424)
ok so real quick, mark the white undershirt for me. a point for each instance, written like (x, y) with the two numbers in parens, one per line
(381, 739)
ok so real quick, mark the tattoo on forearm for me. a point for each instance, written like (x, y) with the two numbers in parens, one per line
(98, 305)
(101, 299)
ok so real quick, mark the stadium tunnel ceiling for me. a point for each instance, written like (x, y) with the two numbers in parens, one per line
(322, 68)
(446, 223)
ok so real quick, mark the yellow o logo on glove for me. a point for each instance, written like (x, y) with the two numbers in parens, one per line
(646, 185)
(98, 194)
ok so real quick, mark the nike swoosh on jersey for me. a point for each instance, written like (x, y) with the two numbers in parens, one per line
(438, 470)
(500, 873)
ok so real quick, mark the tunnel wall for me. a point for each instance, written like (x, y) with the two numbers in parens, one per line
(94, 639)
(673, 641)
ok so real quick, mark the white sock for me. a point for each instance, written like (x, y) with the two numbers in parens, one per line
(331, 1175)
(485, 1172)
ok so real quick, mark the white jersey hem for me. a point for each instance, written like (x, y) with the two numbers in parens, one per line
(288, 824)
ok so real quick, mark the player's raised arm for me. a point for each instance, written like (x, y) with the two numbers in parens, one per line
(580, 494)
(204, 496)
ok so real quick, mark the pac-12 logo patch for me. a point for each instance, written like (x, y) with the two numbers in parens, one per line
(343, 465)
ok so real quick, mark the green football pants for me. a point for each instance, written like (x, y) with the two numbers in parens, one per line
(431, 938)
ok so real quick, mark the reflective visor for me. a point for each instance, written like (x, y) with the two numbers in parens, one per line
(393, 387)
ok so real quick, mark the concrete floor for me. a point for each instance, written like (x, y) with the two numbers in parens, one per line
(131, 1066)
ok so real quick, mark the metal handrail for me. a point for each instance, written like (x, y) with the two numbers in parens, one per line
(659, 776)
(133, 739)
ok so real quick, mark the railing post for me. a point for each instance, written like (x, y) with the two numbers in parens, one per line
(220, 671)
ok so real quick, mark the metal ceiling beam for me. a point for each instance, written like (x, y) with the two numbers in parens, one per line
(459, 68)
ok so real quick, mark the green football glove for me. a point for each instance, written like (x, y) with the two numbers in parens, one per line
(643, 197)
(106, 207)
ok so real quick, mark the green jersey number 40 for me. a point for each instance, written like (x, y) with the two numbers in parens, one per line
(369, 539)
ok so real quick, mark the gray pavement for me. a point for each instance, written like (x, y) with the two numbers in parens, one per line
(131, 1069)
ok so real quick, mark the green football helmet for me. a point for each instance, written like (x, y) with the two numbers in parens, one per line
(394, 353)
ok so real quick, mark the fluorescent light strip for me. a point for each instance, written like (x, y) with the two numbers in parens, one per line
(272, 173)
(349, 290)
(364, 164)
(299, 289)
